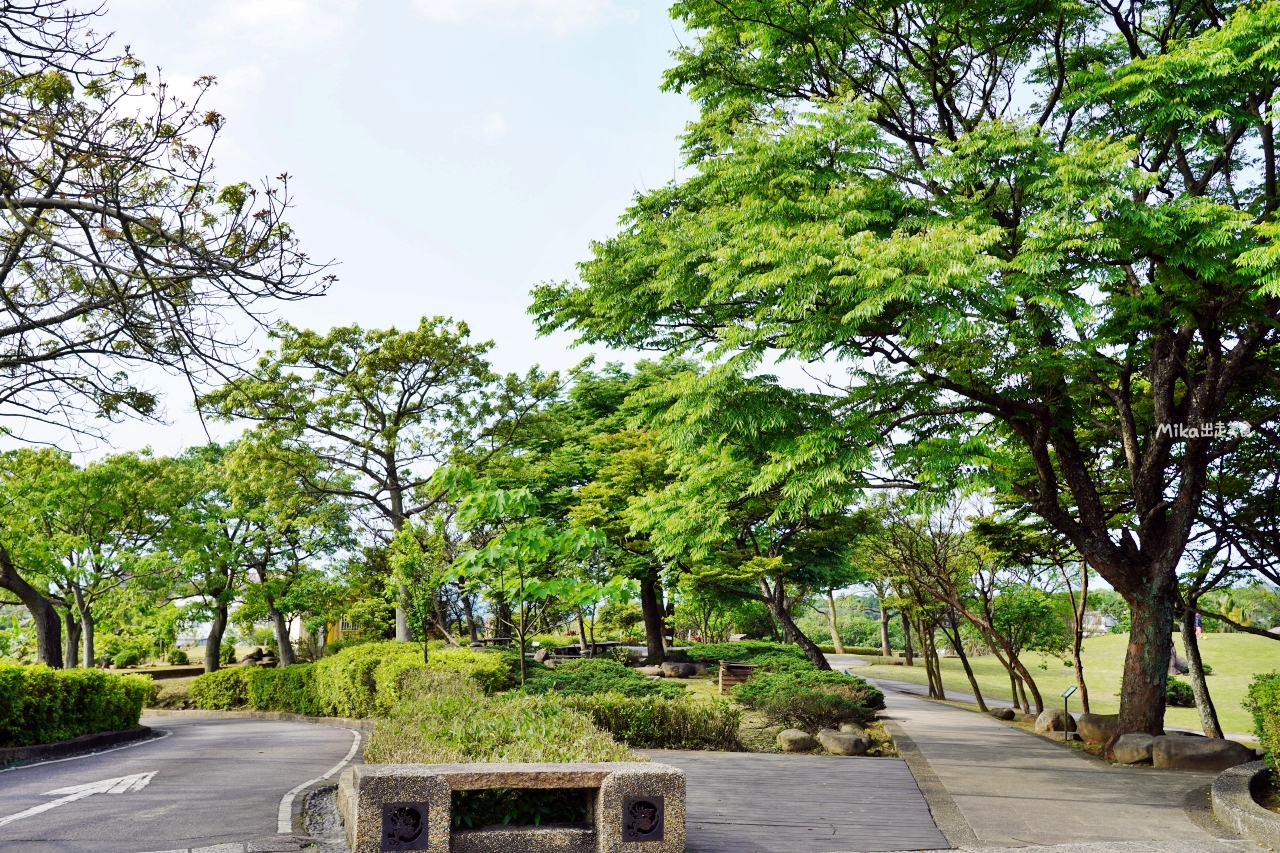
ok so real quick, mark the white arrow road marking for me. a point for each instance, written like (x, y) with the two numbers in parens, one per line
(119, 785)
(284, 818)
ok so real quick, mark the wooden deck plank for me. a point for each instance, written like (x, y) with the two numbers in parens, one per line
(740, 802)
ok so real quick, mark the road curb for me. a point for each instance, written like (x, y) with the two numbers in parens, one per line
(281, 716)
(1234, 805)
(84, 743)
(946, 814)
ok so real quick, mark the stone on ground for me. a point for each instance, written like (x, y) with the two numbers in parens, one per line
(853, 729)
(794, 740)
(678, 670)
(1001, 713)
(1097, 728)
(1133, 748)
(843, 743)
(1054, 720)
(650, 671)
(1199, 753)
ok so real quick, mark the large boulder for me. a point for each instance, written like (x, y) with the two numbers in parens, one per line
(843, 743)
(1054, 720)
(853, 729)
(1001, 713)
(678, 670)
(794, 740)
(652, 671)
(1133, 748)
(1199, 753)
(1097, 728)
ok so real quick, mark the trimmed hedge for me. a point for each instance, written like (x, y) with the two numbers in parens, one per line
(874, 651)
(810, 700)
(444, 718)
(360, 681)
(592, 676)
(657, 722)
(745, 651)
(1264, 704)
(39, 704)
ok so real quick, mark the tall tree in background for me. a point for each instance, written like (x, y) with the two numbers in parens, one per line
(118, 249)
(1040, 235)
(385, 406)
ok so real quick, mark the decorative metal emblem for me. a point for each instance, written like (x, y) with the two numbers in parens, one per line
(642, 818)
(404, 826)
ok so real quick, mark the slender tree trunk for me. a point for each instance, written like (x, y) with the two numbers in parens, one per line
(1077, 645)
(213, 646)
(928, 633)
(668, 619)
(469, 610)
(71, 652)
(651, 609)
(907, 651)
(1204, 702)
(582, 631)
(954, 636)
(48, 627)
(86, 623)
(775, 600)
(884, 629)
(831, 622)
(1146, 663)
(285, 656)
(1020, 704)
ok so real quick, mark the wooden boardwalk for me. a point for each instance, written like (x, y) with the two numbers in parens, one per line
(741, 802)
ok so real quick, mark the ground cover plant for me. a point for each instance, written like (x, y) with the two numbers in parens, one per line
(1235, 660)
(658, 722)
(39, 704)
(443, 718)
(810, 700)
(744, 651)
(594, 676)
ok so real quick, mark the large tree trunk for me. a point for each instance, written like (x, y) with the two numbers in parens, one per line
(469, 609)
(48, 626)
(831, 623)
(71, 651)
(775, 600)
(284, 645)
(86, 623)
(1146, 663)
(884, 629)
(1204, 702)
(651, 608)
(213, 646)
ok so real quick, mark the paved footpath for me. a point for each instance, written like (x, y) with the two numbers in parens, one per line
(1010, 788)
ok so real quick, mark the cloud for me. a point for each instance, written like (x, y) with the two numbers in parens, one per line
(491, 127)
(558, 16)
(282, 23)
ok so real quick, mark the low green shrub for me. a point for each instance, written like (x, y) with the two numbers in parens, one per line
(444, 718)
(287, 688)
(39, 704)
(809, 700)
(222, 690)
(658, 722)
(591, 676)
(776, 662)
(1264, 704)
(226, 654)
(745, 651)
(178, 657)
(127, 656)
(852, 650)
(1179, 694)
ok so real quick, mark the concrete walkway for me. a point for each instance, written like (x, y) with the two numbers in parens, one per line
(1011, 788)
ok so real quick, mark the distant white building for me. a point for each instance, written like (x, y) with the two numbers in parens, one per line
(1097, 623)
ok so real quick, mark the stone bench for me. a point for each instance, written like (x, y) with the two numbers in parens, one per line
(634, 807)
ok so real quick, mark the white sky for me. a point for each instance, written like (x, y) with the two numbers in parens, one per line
(448, 154)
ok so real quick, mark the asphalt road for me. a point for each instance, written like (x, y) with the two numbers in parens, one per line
(215, 781)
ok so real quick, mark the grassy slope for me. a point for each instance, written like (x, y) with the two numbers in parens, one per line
(1235, 658)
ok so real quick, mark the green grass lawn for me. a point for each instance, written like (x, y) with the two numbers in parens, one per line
(1235, 659)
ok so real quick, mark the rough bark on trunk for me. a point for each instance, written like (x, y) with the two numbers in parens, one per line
(48, 627)
(884, 630)
(1204, 702)
(775, 600)
(1022, 689)
(284, 646)
(651, 609)
(71, 652)
(1146, 663)
(831, 623)
(86, 628)
(213, 646)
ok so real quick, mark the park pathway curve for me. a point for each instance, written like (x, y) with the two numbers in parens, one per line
(991, 784)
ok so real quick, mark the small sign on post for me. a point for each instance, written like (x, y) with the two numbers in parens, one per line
(1066, 714)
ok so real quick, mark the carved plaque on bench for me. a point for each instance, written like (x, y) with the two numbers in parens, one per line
(404, 826)
(642, 818)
